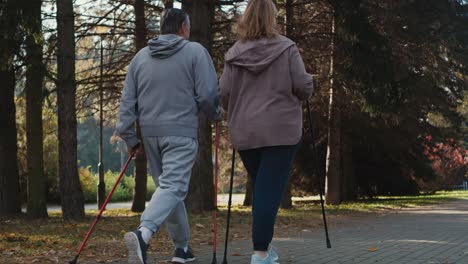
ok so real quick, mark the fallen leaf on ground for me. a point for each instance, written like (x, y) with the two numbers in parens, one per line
(372, 249)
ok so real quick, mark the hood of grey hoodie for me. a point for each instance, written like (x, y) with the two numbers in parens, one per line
(165, 46)
(257, 55)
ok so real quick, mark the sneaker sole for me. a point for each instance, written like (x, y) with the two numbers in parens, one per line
(134, 251)
(176, 260)
(181, 260)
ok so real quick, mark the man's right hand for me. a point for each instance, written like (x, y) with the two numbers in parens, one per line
(135, 150)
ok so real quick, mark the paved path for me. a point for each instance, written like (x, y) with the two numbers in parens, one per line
(429, 235)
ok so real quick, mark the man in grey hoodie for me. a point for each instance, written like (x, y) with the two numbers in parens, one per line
(167, 84)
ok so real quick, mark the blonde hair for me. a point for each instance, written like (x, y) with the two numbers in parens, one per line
(258, 20)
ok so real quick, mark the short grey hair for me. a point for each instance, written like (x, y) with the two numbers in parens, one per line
(172, 20)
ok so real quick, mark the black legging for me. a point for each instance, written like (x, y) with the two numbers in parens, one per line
(269, 168)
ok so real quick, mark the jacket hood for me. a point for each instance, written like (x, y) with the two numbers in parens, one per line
(257, 55)
(165, 46)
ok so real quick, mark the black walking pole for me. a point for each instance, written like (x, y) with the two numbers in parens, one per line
(318, 173)
(229, 205)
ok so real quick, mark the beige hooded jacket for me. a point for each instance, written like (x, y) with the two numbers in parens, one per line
(261, 88)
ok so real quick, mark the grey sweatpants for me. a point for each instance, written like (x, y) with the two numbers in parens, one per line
(171, 160)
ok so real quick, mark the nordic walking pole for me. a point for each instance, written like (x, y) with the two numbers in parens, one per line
(318, 173)
(215, 216)
(229, 205)
(103, 207)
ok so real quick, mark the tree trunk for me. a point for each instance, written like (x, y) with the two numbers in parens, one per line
(349, 191)
(10, 201)
(289, 18)
(333, 180)
(333, 165)
(286, 200)
(9, 177)
(70, 188)
(37, 185)
(140, 24)
(141, 178)
(201, 191)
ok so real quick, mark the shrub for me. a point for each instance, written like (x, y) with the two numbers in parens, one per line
(123, 192)
(88, 184)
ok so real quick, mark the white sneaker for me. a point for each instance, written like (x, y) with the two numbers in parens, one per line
(272, 252)
(267, 260)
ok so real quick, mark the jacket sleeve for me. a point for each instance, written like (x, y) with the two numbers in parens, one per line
(225, 84)
(303, 85)
(128, 110)
(206, 86)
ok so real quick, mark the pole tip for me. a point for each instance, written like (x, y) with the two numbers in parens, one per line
(75, 260)
(214, 261)
(328, 243)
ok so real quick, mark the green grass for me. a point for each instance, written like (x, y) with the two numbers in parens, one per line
(399, 202)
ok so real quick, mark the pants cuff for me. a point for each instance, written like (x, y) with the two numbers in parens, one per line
(150, 226)
(262, 246)
(179, 244)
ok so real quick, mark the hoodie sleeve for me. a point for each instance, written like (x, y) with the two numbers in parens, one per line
(303, 85)
(128, 113)
(206, 86)
(225, 84)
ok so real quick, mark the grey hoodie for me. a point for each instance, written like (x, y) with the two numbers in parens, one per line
(262, 86)
(167, 84)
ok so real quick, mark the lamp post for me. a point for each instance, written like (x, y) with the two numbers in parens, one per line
(101, 194)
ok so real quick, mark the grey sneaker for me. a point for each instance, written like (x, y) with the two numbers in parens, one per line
(268, 260)
(180, 256)
(136, 247)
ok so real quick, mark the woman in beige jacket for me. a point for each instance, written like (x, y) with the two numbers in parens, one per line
(263, 83)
